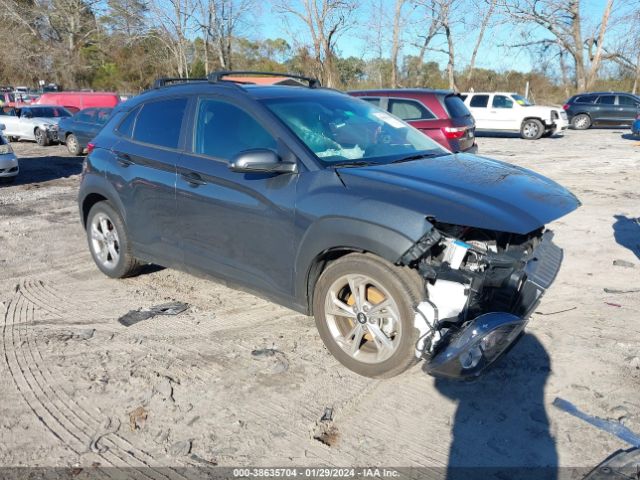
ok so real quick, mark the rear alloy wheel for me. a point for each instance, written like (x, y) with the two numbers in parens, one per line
(581, 121)
(364, 311)
(73, 145)
(108, 242)
(531, 129)
(41, 137)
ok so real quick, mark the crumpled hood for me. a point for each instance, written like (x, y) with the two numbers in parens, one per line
(465, 189)
(50, 120)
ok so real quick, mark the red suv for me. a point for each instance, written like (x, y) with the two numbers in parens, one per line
(439, 114)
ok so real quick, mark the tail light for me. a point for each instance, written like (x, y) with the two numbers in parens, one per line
(454, 133)
(90, 147)
(565, 106)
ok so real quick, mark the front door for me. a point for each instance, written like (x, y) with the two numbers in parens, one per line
(239, 226)
(503, 113)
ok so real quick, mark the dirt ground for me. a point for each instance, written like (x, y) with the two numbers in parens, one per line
(236, 380)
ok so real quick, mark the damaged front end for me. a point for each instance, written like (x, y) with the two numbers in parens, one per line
(481, 287)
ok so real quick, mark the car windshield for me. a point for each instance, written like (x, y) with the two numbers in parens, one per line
(342, 130)
(49, 112)
(521, 100)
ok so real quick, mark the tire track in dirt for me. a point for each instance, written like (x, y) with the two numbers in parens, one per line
(50, 406)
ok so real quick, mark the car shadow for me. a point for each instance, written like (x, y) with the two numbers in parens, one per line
(43, 169)
(501, 429)
(630, 136)
(491, 134)
(626, 231)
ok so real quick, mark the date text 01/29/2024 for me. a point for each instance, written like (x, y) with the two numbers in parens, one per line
(319, 472)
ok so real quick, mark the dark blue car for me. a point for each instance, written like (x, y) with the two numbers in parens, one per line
(399, 248)
(77, 131)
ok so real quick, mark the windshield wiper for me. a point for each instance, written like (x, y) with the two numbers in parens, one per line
(419, 156)
(353, 163)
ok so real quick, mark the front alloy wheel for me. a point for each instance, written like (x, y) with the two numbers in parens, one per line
(364, 311)
(531, 129)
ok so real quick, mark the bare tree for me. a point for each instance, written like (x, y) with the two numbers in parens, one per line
(563, 20)
(483, 26)
(396, 41)
(325, 21)
(175, 25)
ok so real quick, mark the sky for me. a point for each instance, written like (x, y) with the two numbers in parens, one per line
(494, 52)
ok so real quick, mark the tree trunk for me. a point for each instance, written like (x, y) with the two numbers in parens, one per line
(395, 46)
(595, 62)
(483, 27)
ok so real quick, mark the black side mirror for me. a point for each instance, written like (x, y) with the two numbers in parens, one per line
(261, 160)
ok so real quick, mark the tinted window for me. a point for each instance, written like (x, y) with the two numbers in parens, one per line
(456, 107)
(48, 112)
(87, 116)
(463, 97)
(585, 99)
(224, 130)
(479, 101)
(126, 126)
(103, 115)
(624, 100)
(371, 100)
(500, 101)
(159, 123)
(409, 110)
(606, 100)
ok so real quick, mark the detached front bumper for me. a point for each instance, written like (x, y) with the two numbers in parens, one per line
(8, 165)
(485, 338)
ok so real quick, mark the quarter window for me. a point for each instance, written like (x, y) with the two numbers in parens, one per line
(372, 100)
(628, 101)
(126, 126)
(159, 123)
(409, 110)
(585, 99)
(500, 101)
(224, 130)
(479, 101)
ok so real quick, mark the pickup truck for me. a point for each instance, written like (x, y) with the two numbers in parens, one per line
(509, 112)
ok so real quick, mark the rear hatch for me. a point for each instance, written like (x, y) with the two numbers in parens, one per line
(461, 133)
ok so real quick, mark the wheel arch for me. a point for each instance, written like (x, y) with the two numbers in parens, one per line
(333, 238)
(95, 189)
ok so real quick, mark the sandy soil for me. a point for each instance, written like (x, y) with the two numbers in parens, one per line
(78, 388)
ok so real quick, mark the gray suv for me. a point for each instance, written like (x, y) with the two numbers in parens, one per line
(602, 108)
(330, 206)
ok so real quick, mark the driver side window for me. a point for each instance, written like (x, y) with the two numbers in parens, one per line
(500, 101)
(223, 130)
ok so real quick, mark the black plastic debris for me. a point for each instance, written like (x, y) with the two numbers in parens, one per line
(327, 416)
(135, 316)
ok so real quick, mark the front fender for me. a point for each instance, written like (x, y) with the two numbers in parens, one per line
(331, 233)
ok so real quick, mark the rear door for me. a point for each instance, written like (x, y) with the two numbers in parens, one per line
(82, 125)
(627, 108)
(143, 171)
(233, 225)
(418, 115)
(606, 109)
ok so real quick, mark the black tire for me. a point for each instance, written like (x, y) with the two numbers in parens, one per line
(406, 290)
(14, 139)
(531, 129)
(126, 265)
(582, 121)
(73, 145)
(42, 138)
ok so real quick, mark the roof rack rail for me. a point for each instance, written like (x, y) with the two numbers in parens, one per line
(216, 77)
(164, 81)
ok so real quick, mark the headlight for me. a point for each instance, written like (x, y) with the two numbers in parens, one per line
(6, 148)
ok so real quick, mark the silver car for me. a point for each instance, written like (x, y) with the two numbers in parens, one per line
(8, 161)
(34, 122)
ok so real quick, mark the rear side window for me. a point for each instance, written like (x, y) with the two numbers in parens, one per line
(372, 100)
(456, 107)
(606, 100)
(86, 115)
(409, 110)
(479, 101)
(628, 101)
(224, 130)
(159, 123)
(585, 99)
